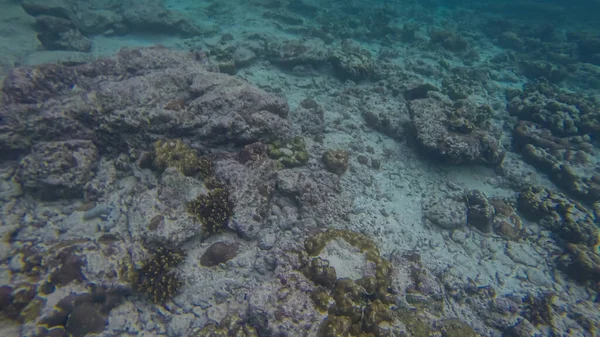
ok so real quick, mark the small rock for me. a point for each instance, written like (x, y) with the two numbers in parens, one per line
(266, 241)
(85, 319)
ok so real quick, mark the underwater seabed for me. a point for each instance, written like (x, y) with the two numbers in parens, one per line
(299, 168)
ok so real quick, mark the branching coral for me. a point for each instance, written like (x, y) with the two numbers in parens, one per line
(213, 210)
(158, 277)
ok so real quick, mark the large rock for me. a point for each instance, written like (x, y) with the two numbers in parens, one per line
(129, 101)
(58, 169)
(152, 15)
(98, 17)
(58, 8)
(56, 33)
(436, 136)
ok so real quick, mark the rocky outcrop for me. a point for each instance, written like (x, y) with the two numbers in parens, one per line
(68, 24)
(131, 100)
(438, 135)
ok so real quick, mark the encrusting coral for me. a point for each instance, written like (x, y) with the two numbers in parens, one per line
(358, 307)
(289, 154)
(175, 153)
(336, 161)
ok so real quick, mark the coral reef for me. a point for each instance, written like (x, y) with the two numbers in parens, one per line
(358, 306)
(336, 161)
(290, 154)
(568, 219)
(174, 153)
(107, 117)
(158, 277)
(554, 134)
(213, 210)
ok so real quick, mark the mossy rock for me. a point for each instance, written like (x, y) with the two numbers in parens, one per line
(289, 154)
(568, 219)
(539, 309)
(415, 324)
(336, 161)
(355, 307)
(581, 263)
(177, 154)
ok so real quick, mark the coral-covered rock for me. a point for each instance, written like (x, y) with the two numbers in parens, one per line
(448, 214)
(113, 17)
(352, 63)
(565, 114)
(231, 325)
(85, 319)
(510, 40)
(152, 15)
(480, 213)
(432, 125)
(295, 52)
(449, 40)
(568, 219)
(568, 160)
(555, 134)
(310, 116)
(581, 262)
(57, 33)
(58, 169)
(318, 194)
(336, 161)
(121, 102)
(542, 69)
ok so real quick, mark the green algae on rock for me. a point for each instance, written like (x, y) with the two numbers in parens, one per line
(289, 154)
(175, 153)
(568, 219)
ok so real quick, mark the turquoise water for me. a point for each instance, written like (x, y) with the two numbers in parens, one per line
(299, 168)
